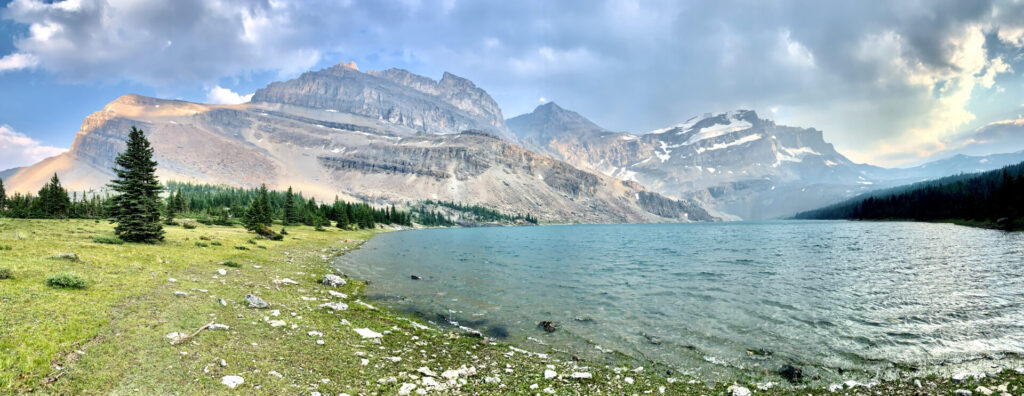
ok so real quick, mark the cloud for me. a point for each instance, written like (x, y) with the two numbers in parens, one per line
(887, 82)
(219, 95)
(17, 61)
(16, 149)
(160, 43)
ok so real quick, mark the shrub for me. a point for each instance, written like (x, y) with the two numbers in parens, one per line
(204, 238)
(5, 273)
(215, 243)
(202, 244)
(251, 242)
(241, 248)
(277, 237)
(108, 240)
(231, 264)
(67, 281)
(5, 247)
(261, 246)
(283, 231)
(189, 224)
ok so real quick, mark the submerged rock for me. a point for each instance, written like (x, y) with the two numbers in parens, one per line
(415, 277)
(547, 326)
(333, 280)
(791, 373)
(255, 302)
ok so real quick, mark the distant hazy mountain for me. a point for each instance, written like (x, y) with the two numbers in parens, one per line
(738, 163)
(4, 174)
(387, 137)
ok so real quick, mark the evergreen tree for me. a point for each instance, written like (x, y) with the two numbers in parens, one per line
(53, 201)
(3, 196)
(259, 215)
(290, 215)
(136, 209)
(169, 211)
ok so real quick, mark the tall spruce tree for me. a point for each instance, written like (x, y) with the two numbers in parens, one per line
(3, 196)
(259, 216)
(136, 208)
(290, 214)
(53, 201)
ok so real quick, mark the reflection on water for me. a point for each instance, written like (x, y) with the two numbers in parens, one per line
(719, 300)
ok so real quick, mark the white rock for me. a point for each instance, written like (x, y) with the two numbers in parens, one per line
(629, 380)
(364, 361)
(333, 280)
(172, 280)
(917, 383)
(335, 306)
(285, 281)
(218, 326)
(461, 372)
(222, 271)
(548, 391)
(276, 374)
(319, 342)
(367, 333)
(736, 390)
(534, 386)
(175, 336)
(426, 371)
(581, 376)
(222, 302)
(223, 363)
(835, 388)
(962, 392)
(255, 302)
(549, 374)
(429, 382)
(180, 294)
(337, 294)
(315, 334)
(983, 390)
(406, 389)
(276, 323)
(492, 380)
(232, 381)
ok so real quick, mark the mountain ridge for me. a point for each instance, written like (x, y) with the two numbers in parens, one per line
(387, 138)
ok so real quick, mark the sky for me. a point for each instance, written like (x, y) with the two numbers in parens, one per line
(891, 83)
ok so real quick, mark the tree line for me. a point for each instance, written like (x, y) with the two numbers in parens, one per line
(995, 197)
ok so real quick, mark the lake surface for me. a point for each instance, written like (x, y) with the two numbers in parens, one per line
(720, 300)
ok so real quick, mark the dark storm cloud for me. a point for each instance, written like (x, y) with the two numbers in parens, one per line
(887, 81)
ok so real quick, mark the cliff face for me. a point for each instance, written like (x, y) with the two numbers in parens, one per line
(386, 137)
(395, 96)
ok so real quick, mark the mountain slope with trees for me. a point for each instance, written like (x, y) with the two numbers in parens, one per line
(992, 199)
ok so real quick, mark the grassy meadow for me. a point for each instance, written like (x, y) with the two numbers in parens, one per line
(111, 337)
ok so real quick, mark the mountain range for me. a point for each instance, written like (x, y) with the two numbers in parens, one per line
(387, 137)
(394, 137)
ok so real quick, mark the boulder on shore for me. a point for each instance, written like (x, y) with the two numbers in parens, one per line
(333, 280)
(547, 326)
(255, 302)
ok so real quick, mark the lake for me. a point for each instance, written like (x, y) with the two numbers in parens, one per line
(839, 299)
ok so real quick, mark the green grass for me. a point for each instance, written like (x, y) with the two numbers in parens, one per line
(111, 338)
(5, 273)
(108, 240)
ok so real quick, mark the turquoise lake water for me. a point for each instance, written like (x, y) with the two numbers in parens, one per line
(721, 300)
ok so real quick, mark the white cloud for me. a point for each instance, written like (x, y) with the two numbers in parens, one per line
(17, 61)
(16, 149)
(161, 43)
(220, 95)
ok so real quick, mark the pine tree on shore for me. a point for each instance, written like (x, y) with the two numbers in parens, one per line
(136, 208)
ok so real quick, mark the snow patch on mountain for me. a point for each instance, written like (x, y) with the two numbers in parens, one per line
(737, 142)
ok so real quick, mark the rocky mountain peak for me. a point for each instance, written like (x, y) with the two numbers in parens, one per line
(395, 96)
